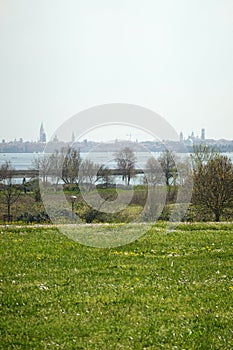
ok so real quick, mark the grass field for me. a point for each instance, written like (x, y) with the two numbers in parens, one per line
(167, 290)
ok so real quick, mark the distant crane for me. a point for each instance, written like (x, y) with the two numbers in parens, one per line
(130, 135)
(136, 136)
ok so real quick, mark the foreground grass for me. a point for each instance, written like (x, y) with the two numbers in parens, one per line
(168, 290)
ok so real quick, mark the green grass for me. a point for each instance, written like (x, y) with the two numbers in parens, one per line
(168, 290)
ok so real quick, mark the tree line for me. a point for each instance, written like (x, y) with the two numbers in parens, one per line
(210, 173)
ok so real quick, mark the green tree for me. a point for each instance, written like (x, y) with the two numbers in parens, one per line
(213, 185)
(168, 165)
(71, 162)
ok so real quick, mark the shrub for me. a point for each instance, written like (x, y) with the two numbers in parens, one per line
(41, 217)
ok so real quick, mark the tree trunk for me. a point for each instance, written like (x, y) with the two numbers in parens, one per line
(217, 216)
(8, 212)
(128, 179)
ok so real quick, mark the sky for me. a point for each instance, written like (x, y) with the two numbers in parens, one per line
(59, 57)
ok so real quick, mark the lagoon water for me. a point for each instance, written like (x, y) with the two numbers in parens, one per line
(18, 160)
(24, 160)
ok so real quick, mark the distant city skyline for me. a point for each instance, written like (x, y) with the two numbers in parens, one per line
(89, 142)
(43, 134)
(106, 133)
(172, 57)
(112, 133)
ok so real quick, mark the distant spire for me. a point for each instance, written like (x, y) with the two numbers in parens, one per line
(42, 134)
(181, 137)
(73, 137)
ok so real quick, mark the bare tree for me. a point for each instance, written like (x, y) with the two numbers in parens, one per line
(202, 154)
(154, 172)
(11, 192)
(104, 176)
(185, 171)
(126, 161)
(168, 165)
(4, 170)
(56, 163)
(88, 173)
(213, 185)
(43, 165)
(62, 165)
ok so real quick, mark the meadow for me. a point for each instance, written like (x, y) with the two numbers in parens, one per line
(170, 289)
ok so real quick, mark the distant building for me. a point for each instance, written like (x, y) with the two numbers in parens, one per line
(202, 134)
(189, 141)
(42, 134)
(55, 139)
(192, 139)
(181, 137)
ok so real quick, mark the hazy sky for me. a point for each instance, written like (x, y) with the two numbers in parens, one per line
(59, 57)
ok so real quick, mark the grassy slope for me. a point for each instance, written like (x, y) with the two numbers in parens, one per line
(168, 290)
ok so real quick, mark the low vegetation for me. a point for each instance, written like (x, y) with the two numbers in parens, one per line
(168, 290)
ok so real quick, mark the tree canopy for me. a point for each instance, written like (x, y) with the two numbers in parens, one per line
(213, 185)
